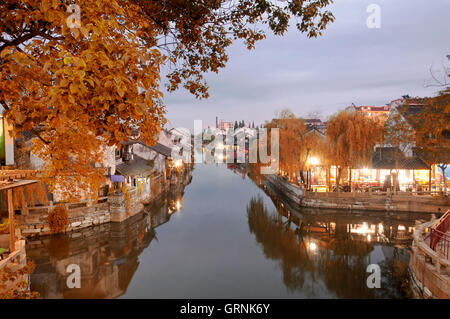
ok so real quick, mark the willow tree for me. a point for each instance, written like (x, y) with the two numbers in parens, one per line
(351, 138)
(291, 130)
(297, 144)
(83, 77)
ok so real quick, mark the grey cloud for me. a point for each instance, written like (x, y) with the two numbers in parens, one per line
(350, 63)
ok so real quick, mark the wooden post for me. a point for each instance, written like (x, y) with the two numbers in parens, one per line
(429, 180)
(12, 231)
(328, 167)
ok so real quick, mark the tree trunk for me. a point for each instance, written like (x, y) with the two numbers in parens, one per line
(443, 167)
(429, 180)
(350, 179)
(310, 178)
(329, 178)
(302, 177)
(338, 178)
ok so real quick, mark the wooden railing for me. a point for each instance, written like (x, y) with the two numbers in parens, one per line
(11, 174)
(378, 193)
(439, 239)
(69, 206)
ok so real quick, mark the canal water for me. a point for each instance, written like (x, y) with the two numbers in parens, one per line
(224, 236)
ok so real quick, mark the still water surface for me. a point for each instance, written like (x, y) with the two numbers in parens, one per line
(224, 237)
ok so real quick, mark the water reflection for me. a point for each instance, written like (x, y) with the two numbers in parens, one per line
(333, 249)
(108, 255)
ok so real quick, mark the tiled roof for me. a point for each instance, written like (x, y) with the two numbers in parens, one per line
(372, 108)
(393, 158)
(162, 149)
(138, 166)
(310, 121)
(158, 147)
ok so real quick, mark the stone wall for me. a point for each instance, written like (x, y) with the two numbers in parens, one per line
(35, 223)
(114, 208)
(376, 202)
(122, 206)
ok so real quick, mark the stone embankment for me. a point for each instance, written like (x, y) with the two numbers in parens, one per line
(370, 201)
(278, 185)
(386, 202)
(113, 208)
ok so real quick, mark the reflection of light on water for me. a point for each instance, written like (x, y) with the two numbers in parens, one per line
(363, 229)
(380, 227)
(178, 205)
(369, 238)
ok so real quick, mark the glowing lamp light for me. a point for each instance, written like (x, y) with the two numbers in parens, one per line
(313, 246)
(314, 161)
(178, 205)
(178, 163)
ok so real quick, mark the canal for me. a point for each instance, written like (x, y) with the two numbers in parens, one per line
(223, 236)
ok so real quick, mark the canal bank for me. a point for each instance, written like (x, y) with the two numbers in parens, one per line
(369, 201)
(114, 208)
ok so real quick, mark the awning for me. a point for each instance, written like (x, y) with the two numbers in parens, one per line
(117, 179)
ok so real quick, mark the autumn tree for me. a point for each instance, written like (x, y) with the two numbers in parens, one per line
(291, 130)
(399, 135)
(296, 144)
(13, 284)
(312, 145)
(80, 86)
(77, 89)
(432, 132)
(351, 137)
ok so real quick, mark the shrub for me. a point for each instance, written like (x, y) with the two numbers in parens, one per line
(4, 226)
(58, 219)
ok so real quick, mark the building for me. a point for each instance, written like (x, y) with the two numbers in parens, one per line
(183, 142)
(315, 124)
(225, 126)
(143, 167)
(375, 112)
(6, 143)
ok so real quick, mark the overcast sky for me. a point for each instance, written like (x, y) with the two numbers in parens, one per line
(350, 63)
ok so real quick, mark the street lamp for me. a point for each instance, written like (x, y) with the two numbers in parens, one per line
(312, 161)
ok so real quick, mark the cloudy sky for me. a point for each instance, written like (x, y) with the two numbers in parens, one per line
(351, 63)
